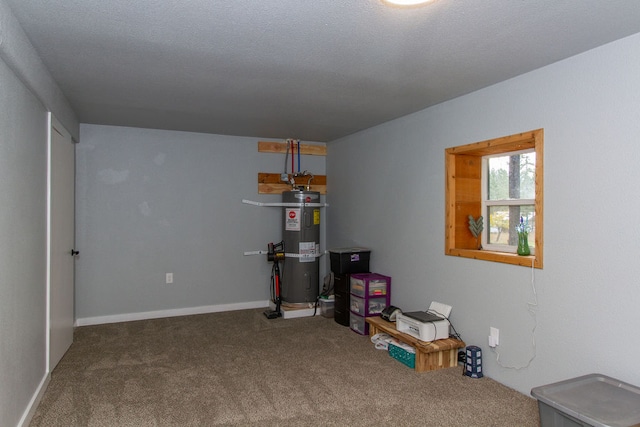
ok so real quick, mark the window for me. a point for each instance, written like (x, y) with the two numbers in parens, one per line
(508, 198)
(500, 179)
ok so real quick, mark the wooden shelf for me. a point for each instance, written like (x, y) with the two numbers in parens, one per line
(281, 147)
(270, 183)
(438, 354)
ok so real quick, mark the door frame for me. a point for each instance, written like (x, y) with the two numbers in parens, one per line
(51, 122)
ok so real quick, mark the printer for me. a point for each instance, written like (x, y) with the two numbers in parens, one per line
(429, 325)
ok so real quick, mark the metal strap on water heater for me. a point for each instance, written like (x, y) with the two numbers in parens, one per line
(288, 255)
(286, 204)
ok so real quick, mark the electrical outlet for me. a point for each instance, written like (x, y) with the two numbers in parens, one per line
(495, 334)
(492, 341)
(169, 278)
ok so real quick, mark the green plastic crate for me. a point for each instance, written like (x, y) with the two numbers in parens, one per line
(402, 355)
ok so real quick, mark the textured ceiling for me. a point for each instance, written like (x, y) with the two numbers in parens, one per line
(313, 70)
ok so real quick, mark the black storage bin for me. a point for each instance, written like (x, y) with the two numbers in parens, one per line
(344, 262)
(341, 282)
(349, 260)
(341, 309)
(342, 301)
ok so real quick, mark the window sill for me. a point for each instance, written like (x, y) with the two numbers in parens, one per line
(503, 257)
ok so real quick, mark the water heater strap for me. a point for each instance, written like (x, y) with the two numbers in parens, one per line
(256, 252)
(286, 204)
(288, 255)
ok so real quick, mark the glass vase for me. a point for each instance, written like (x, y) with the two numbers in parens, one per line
(523, 244)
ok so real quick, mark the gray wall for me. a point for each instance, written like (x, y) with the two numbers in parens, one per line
(23, 237)
(386, 191)
(27, 92)
(150, 202)
(18, 53)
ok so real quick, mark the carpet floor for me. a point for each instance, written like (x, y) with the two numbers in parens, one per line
(240, 369)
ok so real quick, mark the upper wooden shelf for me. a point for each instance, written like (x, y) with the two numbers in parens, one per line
(281, 147)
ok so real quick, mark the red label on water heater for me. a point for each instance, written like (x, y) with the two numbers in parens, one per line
(292, 216)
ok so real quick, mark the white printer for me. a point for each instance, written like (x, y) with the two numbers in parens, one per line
(429, 325)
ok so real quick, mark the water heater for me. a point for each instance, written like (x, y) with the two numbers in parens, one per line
(301, 236)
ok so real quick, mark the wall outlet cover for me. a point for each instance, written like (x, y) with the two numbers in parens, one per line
(492, 341)
(495, 334)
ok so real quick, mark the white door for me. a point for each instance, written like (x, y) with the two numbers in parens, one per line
(61, 245)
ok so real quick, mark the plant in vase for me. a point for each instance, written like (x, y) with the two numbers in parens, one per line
(523, 230)
(476, 227)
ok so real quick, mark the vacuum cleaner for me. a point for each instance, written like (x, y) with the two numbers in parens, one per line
(275, 254)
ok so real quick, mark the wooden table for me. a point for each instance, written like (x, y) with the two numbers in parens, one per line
(430, 356)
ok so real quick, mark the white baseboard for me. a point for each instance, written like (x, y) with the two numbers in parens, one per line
(128, 317)
(35, 401)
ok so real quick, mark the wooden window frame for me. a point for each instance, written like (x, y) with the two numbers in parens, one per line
(463, 196)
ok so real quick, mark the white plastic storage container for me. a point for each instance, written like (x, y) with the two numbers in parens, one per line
(376, 305)
(327, 307)
(367, 307)
(591, 400)
(358, 324)
(356, 305)
(370, 284)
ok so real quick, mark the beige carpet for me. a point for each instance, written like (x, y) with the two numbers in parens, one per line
(241, 369)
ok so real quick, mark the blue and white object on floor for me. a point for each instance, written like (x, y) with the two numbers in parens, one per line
(473, 362)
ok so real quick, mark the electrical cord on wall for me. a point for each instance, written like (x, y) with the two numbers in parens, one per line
(531, 308)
